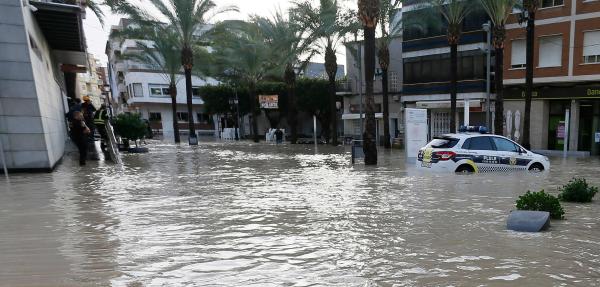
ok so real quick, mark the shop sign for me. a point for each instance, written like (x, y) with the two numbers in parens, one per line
(268, 101)
(550, 92)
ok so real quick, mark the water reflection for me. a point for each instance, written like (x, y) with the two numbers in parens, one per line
(233, 214)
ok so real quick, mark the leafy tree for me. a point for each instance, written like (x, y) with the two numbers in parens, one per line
(130, 126)
(159, 49)
(313, 99)
(287, 36)
(190, 18)
(531, 7)
(328, 24)
(499, 11)
(387, 14)
(368, 12)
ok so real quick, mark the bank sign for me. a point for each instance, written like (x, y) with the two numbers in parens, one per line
(553, 92)
(268, 102)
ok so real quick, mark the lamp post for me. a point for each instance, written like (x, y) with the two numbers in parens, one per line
(488, 28)
(235, 102)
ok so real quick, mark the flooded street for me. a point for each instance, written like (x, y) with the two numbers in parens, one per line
(239, 214)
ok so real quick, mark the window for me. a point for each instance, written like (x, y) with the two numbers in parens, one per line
(443, 143)
(550, 51)
(478, 143)
(203, 118)
(155, 117)
(591, 47)
(518, 54)
(505, 145)
(196, 92)
(552, 3)
(182, 117)
(137, 90)
(159, 90)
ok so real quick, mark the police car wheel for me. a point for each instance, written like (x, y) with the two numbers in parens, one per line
(464, 169)
(536, 167)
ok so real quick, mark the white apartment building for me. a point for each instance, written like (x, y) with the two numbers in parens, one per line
(89, 83)
(141, 88)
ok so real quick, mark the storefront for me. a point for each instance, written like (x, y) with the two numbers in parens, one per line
(548, 109)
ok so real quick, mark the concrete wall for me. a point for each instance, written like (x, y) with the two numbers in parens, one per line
(32, 125)
(539, 122)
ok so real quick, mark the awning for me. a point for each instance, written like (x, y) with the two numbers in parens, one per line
(62, 27)
(446, 104)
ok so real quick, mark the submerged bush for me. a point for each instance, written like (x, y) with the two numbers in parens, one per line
(577, 190)
(541, 201)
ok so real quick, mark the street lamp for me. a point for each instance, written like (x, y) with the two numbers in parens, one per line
(488, 28)
(235, 102)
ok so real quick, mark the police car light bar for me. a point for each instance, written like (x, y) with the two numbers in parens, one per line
(473, 129)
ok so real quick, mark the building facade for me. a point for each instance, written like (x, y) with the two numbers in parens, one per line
(89, 83)
(142, 88)
(354, 89)
(426, 77)
(566, 76)
(42, 48)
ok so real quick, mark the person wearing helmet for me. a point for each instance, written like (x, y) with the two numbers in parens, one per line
(88, 110)
(100, 119)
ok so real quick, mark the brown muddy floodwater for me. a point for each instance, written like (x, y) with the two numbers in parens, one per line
(239, 214)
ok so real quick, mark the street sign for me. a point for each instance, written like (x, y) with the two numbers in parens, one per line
(268, 101)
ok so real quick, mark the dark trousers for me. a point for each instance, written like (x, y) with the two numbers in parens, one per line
(103, 136)
(82, 145)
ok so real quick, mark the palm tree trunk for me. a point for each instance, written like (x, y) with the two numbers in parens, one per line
(453, 84)
(173, 92)
(254, 110)
(370, 143)
(187, 60)
(290, 80)
(499, 78)
(386, 110)
(331, 69)
(528, 79)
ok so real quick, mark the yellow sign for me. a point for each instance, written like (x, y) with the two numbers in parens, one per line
(268, 101)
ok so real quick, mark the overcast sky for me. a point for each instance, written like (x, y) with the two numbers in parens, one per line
(97, 36)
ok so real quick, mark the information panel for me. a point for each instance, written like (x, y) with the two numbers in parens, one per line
(415, 132)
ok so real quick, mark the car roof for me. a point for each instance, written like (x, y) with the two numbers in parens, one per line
(468, 135)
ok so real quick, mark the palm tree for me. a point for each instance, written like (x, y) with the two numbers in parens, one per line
(159, 50)
(328, 24)
(499, 11)
(454, 12)
(388, 9)
(286, 36)
(190, 18)
(368, 13)
(243, 53)
(531, 7)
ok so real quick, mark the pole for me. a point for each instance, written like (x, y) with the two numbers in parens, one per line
(315, 128)
(466, 112)
(566, 139)
(360, 79)
(237, 116)
(3, 160)
(488, 76)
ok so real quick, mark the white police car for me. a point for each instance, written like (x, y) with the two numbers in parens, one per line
(478, 152)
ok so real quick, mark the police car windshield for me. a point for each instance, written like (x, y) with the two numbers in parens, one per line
(445, 142)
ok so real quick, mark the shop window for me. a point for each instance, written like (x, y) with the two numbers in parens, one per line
(203, 118)
(517, 59)
(550, 51)
(137, 90)
(154, 117)
(552, 3)
(591, 47)
(183, 117)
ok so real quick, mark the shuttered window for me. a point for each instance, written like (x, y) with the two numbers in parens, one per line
(518, 54)
(591, 47)
(550, 51)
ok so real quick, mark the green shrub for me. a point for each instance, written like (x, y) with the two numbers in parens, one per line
(541, 201)
(130, 126)
(577, 190)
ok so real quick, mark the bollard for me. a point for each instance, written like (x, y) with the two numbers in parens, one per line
(528, 221)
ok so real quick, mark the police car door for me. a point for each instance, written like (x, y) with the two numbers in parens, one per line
(483, 153)
(511, 156)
